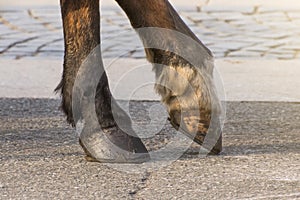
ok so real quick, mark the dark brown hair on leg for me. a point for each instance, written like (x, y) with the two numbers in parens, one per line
(102, 139)
(196, 112)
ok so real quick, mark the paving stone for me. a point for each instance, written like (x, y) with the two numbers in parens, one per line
(292, 28)
(139, 54)
(281, 51)
(34, 29)
(12, 17)
(107, 13)
(10, 44)
(116, 16)
(286, 57)
(198, 16)
(293, 15)
(218, 54)
(57, 43)
(245, 54)
(217, 48)
(8, 56)
(242, 9)
(242, 22)
(14, 54)
(49, 48)
(227, 16)
(272, 16)
(277, 56)
(210, 25)
(46, 13)
(275, 35)
(17, 36)
(220, 28)
(257, 48)
(272, 43)
(281, 8)
(18, 51)
(26, 48)
(254, 28)
(233, 45)
(291, 47)
(112, 54)
(24, 20)
(2, 48)
(111, 28)
(130, 42)
(277, 25)
(188, 21)
(4, 30)
(53, 54)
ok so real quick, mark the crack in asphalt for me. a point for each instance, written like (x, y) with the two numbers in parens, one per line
(141, 186)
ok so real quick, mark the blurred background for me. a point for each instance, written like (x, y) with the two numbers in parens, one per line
(260, 33)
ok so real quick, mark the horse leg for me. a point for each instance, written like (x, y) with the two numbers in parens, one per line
(102, 141)
(185, 81)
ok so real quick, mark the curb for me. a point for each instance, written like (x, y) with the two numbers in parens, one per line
(243, 80)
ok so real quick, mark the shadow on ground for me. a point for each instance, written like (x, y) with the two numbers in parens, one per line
(36, 128)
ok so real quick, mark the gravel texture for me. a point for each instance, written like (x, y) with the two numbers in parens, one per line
(40, 157)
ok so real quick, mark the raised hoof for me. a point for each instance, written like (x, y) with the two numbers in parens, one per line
(198, 135)
(113, 146)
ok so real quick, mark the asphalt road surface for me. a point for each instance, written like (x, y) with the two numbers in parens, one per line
(40, 157)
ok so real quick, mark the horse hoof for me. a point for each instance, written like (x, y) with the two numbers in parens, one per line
(112, 145)
(197, 130)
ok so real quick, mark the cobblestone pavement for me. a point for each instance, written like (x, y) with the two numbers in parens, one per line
(242, 32)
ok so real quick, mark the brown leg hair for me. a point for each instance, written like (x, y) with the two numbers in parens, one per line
(191, 112)
(81, 26)
(81, 35)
